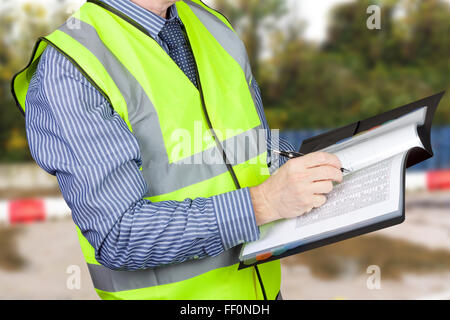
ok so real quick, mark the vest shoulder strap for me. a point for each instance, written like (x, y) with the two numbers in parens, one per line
(219, 15)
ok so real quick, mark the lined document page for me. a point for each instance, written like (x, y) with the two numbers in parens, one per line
(362, 196)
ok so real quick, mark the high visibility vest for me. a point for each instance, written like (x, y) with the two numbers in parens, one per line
(187, 136)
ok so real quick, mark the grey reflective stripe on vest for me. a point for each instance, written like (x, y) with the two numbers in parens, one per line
(115, 280)
(146, 127)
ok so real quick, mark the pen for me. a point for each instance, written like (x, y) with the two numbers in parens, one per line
(293, 154)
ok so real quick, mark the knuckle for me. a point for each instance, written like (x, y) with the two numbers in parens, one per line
(330, 172)
(323, 187)
(321, 156)
(335, 174)
(301, 176)
(292, 166)
(304, 176)
(332, 156)
(331, 159)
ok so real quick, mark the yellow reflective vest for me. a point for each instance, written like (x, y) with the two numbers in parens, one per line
(138, 78)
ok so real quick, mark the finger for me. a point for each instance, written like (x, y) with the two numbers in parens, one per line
(321, 187)
(309, 210)
(316, 159)
(325, 173)
(318, 200)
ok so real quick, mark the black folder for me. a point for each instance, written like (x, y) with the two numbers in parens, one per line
(414, 156)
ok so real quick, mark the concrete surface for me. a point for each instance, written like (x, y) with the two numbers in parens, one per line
(50, 248)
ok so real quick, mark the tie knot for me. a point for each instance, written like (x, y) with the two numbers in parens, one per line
(172, 34)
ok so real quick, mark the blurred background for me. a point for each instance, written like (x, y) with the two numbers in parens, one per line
(319, 67)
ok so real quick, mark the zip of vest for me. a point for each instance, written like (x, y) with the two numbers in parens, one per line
(167, 114)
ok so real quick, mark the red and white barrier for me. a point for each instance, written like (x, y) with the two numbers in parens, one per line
(35, 210)
(430, 180)
(32, 210)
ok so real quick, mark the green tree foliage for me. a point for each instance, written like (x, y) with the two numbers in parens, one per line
(354, 74)
(20, 26)
(251, 18)
(359, 72)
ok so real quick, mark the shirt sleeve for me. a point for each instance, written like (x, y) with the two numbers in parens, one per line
(74, 133)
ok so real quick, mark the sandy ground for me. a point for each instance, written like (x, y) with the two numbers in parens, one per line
(45, 276)
(298, 283)
(427, 224)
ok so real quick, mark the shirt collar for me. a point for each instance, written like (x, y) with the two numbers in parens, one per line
(149, 20)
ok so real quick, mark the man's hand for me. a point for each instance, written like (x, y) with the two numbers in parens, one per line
(296, 188)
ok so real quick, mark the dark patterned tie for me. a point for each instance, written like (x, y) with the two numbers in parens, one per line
(179, 51)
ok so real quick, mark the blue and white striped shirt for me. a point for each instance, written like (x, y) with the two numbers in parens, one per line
(74, 134)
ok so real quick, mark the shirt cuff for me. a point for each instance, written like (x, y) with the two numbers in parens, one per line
(235, 218)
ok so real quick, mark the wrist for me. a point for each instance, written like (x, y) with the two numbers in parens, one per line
(263, 211)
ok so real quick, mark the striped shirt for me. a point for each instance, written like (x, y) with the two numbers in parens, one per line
(75, 134)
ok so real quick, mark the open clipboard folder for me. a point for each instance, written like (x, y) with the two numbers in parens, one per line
(371, 196)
